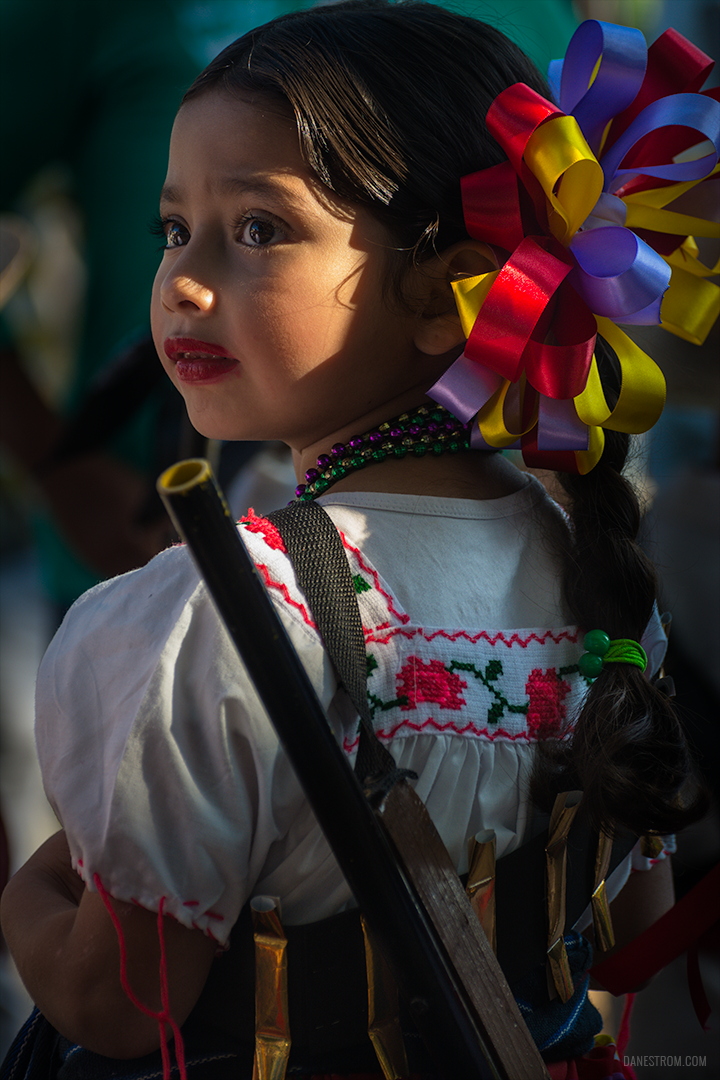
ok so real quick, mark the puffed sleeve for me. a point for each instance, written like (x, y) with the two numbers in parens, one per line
(157, 754)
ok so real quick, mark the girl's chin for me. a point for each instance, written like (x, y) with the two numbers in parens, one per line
(220, 428)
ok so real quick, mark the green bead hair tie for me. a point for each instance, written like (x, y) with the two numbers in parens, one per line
(599, 649)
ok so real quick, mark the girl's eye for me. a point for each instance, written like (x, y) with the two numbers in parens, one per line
(259, 232)
(172, 233)
(175, 235)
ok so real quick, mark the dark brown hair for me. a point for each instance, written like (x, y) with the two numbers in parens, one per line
(390, 101)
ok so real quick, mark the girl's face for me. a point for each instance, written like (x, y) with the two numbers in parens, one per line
(269, 310)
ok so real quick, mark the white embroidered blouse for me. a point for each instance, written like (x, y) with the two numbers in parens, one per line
(161, 763)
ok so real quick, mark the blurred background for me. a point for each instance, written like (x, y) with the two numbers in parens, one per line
(88, 92)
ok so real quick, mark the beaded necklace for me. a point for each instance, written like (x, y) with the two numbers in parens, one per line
(426, 429)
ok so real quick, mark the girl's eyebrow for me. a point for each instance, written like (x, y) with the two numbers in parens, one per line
(238, 185)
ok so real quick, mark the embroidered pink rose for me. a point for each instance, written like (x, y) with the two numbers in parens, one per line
(429, 682)
(546, 712)
(270, 534)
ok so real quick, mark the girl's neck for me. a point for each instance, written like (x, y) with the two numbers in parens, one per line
(343, 462)
(472, 475)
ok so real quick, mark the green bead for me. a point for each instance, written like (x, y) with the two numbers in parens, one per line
(419, 449)
(590, 665)
(357, 462)
(596, 641)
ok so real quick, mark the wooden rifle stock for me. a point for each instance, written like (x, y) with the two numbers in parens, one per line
(470, 1031)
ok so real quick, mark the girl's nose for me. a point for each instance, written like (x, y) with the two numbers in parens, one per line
(180, 291)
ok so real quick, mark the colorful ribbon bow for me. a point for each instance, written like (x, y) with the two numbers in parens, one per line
(590, 207)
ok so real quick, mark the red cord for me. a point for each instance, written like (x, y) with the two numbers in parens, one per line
(165, 998)
(163, 1017)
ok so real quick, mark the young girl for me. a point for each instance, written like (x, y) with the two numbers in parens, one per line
(312, 224)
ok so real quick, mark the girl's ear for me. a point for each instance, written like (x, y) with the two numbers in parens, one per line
(438, 329)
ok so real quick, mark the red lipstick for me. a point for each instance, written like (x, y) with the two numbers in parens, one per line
(198, 361)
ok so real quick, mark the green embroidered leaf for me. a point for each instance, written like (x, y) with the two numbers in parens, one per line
(494, 670)
(402, 700)
(360, 583)
(371, 663)
(495, 712)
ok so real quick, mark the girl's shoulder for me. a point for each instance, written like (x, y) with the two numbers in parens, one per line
(169, 589)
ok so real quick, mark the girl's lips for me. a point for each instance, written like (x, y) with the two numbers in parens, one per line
(182, 348)
(198, 361)
(206, 370)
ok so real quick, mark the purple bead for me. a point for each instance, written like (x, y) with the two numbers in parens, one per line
(355, 444)
(311, 475)
(299, 490)
(375, 437)
(323, 461)
(450, 425)
(414, 429)
(396, 433)
(338, 450)
(432, 427)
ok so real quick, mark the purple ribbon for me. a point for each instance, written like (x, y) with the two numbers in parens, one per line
(618, 274)
(465, 387)
(619, 77)
(560, 427)
(677, 110)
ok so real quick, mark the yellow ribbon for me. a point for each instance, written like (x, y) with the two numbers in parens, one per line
(686, 258)
(642, 393)
(690, 307)
(568, 172)
(500, 419)
(470, 295)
